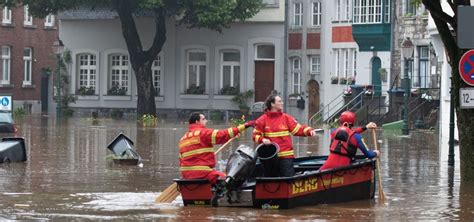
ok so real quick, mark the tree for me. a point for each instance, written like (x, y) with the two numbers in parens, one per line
(447, 28)
(211, 14)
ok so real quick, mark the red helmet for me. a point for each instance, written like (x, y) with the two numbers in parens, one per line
(347, 117)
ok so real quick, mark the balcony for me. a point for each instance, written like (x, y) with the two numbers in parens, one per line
(372, 37)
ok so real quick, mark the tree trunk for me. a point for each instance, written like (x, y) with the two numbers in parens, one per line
(142, 60)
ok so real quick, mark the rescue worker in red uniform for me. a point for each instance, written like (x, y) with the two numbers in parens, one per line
(345, 141)
(274, 126)
(196, 152)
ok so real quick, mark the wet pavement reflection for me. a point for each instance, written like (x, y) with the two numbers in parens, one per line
(67, 176)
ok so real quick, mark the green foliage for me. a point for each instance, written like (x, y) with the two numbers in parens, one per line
(84, 91)
(241, 98)
(46, 71)
(229, 90)
(193, 89)
(19, 112)
(65, 98)
(117, 91)
(148, 120)
(216, 115)
(237, 121)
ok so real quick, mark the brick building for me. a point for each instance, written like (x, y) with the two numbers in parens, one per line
(27, 58)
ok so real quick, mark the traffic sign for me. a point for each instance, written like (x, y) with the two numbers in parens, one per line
(466, 67)
(5, 103)
(466, 96)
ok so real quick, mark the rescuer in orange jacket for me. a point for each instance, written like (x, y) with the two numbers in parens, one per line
(196, 152)
(274, 126)
(345, 140)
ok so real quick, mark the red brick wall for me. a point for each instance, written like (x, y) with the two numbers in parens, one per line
(40, 40)
(295, 40)
(342, 34)
(313, 41)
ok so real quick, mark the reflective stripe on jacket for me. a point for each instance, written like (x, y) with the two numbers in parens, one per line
(278, 128)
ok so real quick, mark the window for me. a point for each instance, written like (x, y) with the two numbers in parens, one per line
(422, 78)
(343, 10)
(338, 10)
(28, 19)
(347, 10)
(27, 57)
(316, 14)
(49, 21)
(296, 74)
(315, 64)
(270, 2)
(5, 65)
(354, 64)
(157, 76)
(346, 63)
(230, 70)
(265, 52)
(196, 65)
(298, 14)
(409, 68)
(370, 11)
(7, 16)
(87, 68)
(118, 75)
(410, 7)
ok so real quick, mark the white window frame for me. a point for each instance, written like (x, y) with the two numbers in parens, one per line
(315, 64)
(346, 63)
(347, 10)
(7, 15)
(337, 63)
(27, 18)
(317, 13)
(157, 70)
(338, 10)
(6, 64)
(354, 63)
(49, 20)
(261, 58)
(27, 66)
(90, 71)
(296, 74)
(368, 12)
(297, 14)
(232, 65)
(197, 64)
(122, 82)
(386, 12)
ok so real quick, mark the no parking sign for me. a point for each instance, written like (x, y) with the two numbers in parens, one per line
(466, 67)
(6, 103)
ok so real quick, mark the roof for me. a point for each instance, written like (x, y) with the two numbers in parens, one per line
(94, 14)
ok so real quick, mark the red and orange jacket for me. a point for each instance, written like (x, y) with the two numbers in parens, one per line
(277, 127)
(196, 152)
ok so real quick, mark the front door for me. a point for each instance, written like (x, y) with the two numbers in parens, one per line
(376, 81)
(264, 79)
(44, 93)
(313, 93)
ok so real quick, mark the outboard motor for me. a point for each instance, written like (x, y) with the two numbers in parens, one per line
(239, 167)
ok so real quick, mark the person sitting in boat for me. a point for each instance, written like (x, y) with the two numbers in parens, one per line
(196, 152)
(345, 140)
(275, 126)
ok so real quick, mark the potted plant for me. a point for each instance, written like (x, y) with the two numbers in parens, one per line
(350, 80)
(241, 100)
(342, 80)
(117, 91)
(229, 90)
(193, 89)
(334, 80)
(86, 91)
(383, 74)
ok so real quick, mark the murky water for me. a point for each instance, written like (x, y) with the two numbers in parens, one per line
(67, 177)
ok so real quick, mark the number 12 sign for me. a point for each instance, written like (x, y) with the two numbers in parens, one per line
(466, 95)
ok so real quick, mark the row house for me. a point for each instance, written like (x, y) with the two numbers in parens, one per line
(27, 58)
(194, 70)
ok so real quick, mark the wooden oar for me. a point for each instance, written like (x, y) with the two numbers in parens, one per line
(379, 175)
(170, 193)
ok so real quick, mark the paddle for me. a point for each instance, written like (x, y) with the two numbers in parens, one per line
(170, 193)
(379, 175)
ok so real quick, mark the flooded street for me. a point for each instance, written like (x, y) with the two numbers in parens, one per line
(67, 176)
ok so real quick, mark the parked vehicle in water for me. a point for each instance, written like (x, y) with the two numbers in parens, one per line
(7, 124)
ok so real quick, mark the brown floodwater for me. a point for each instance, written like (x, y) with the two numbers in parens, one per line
(68, 177)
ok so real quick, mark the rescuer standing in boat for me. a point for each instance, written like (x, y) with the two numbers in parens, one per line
(275, 126)
(345, 140)
(196, 152)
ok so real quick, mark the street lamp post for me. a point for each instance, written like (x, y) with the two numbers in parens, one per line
(58, 48)
(407, 52)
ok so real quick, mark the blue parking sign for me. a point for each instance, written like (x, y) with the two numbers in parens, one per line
(5, 103)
